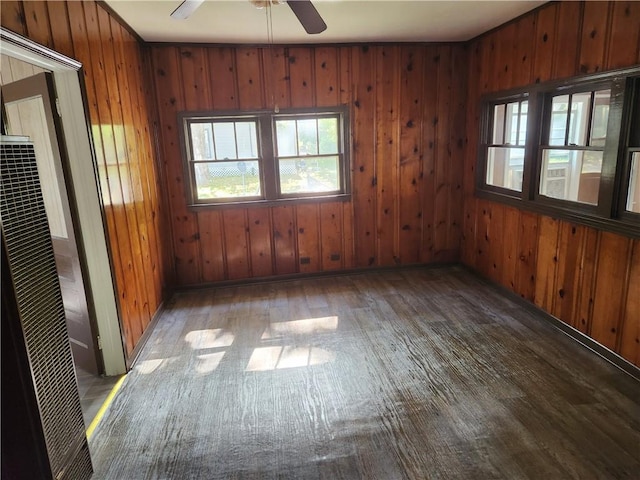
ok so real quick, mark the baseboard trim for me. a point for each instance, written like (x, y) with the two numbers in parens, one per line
(301, 276)
(586, 341)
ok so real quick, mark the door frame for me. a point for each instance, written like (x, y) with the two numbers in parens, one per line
(71, 101)
(86, 353)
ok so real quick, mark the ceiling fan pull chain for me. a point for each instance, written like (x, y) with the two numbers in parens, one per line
(270, 82)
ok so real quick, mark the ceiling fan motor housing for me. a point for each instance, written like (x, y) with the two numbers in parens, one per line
(265, 3)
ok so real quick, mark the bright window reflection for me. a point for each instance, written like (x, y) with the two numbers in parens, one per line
(211, 338)
(263, 358)
(301, 327)
(209, 362)
(148, 366)
(275, 358)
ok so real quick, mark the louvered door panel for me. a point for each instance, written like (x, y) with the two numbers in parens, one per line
(37, 291)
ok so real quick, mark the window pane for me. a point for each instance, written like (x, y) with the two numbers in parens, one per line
(560, 106)
(225, 140)
(633, 197)
(498, 124)
(309, 175)
(580, 103)
(600, 118)
(202, 141)
(328, 135)
(571, 175)
(246, 138)
(522, 137)
(513, 112)
(227, 179)
(307, 137)
(286, 133)
(505, 167)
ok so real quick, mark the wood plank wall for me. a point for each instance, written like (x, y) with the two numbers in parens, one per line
(587, 278)
(114, 64)
(407, 107)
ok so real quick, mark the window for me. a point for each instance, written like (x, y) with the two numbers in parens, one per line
(224, 159)
(308, 155)
(505, 153)
(573, 146)
(632, 155)
(568, 149)
(262, 157)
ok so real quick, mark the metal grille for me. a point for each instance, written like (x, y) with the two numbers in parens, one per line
(80, 467)
(33, 270)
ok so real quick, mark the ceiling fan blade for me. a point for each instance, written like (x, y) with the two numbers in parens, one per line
(308, 16)
(185, 9)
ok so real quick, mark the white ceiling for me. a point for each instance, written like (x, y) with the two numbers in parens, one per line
(238, 21)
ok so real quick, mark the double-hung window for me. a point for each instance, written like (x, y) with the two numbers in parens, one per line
(265, 157)
(631, 176)
(568, 149)
(505, 152)
(574, 135)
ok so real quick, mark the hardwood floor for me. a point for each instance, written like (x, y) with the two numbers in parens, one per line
(407, 374)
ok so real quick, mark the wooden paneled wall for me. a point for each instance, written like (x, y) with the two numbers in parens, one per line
(587, 278)
(407, 107)
(412, 160)
(113, 62)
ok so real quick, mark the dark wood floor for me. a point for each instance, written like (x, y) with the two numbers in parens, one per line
(404, 374)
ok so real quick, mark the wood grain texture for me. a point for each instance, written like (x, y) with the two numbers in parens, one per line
(13, 17)
(625, 29)
(119, 112)
(386, 171)
(580, 275)
(543, 44)
(364, 159)
(568, 28)
(630, 341)
(442, 62)
(614, 257)
(595, 33)
(410, 150)
(405, 374)
(407, 109)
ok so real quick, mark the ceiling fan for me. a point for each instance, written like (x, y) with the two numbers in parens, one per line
(307, 14)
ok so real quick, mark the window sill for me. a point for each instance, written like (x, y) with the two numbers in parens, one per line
(343, 197)
(623, 226)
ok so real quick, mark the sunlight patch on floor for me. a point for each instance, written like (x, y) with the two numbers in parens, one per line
(148, 366)
(305, 326)
(209, 362)
(275, 358)
(209, 338)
